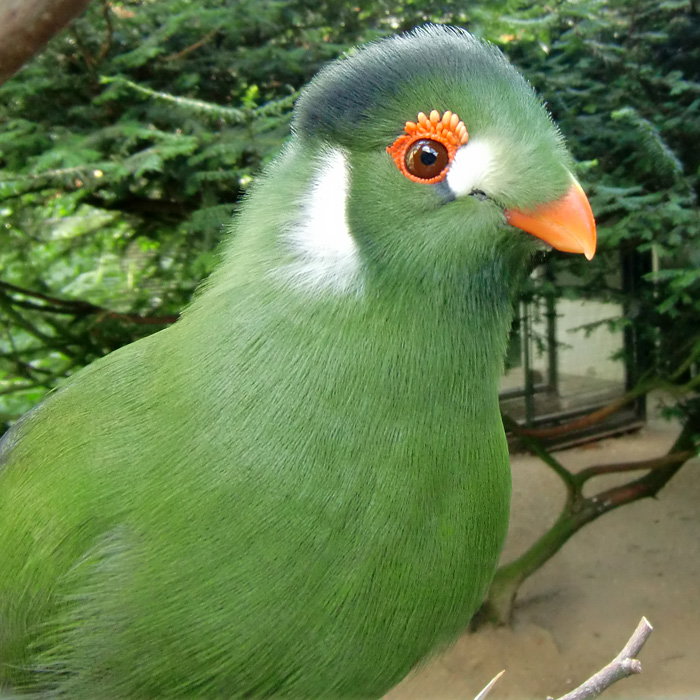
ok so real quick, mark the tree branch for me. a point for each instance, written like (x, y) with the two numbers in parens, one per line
(27, 25)
(19, 320)
(81, 308)
(193, 47)
(15, 388)
(644, 465)
(577, 512)
(87, 57)
(623, 665)
(589, 419)
(536, 447)
(107, 43)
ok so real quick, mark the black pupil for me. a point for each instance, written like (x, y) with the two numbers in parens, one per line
(427, 159)
(428, 155)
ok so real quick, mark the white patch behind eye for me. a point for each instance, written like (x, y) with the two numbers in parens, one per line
(326, 255)
(475, 167)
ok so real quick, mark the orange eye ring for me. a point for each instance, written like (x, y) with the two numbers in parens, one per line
(447, 130)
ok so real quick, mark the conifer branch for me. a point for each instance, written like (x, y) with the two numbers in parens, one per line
(229, 115)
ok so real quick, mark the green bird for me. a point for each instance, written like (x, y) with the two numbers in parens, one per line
(301, 488)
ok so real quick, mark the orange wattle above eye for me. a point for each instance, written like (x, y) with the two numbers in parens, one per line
(424, 151)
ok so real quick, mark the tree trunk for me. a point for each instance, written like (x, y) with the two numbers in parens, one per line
(26, 25)
(497, 608)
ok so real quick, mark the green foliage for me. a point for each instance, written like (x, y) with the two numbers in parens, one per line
(626, 87)
(126, 144)
(622, 80)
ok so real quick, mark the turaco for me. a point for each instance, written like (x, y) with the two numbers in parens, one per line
(302, 487)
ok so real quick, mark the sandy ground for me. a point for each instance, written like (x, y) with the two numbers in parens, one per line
(576, 613)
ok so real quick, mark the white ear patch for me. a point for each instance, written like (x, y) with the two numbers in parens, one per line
(475, 167)
(326, 255)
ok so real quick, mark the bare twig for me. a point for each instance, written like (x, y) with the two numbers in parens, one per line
(87, 57)
(135, 318)
(623, 665)
(621, 467)
(489, 687)
(107, 43)
(38, 295)
(19, 320)
(192, 47)
(536, 447)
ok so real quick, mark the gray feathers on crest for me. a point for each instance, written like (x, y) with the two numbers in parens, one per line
(347, 93)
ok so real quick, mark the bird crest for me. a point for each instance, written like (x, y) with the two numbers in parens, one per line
(427, 147)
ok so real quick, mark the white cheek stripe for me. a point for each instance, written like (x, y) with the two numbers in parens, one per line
(473, 168)
(325, 254)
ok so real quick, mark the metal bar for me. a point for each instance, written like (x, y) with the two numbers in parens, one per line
(529, 391)
(552, 344)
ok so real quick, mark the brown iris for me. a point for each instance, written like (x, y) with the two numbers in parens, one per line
(426, 159)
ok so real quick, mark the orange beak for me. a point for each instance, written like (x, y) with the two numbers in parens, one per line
(566, 224)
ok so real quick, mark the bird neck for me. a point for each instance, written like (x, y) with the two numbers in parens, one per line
(453, 329)
(436, 325)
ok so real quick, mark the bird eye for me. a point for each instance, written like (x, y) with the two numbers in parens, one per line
(424, 151)
(426, 159)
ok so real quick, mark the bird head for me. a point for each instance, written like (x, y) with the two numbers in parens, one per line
(440, 154)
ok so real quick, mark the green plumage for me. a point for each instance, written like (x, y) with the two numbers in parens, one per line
(300, 489)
